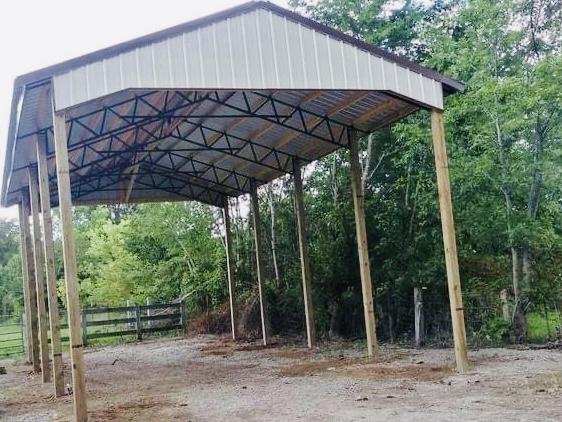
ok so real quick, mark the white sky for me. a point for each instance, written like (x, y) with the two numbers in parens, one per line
(39, 33)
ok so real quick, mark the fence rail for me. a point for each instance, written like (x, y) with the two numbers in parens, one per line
(106, 322)
(140, 319)
(11, 335)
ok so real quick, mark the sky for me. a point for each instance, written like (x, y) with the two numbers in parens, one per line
(38, 33)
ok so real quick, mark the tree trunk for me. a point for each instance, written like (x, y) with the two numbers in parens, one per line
(273, 245)
(519, 318)
(390, 318)
(506, 311)
(418, 318)
(334, 331)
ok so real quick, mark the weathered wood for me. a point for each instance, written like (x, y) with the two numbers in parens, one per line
(259, 264)
(128, 309)
(148, 313)
(161, 306)
(303, 252)
(70, 269)
(23, 220)
(138, 322)
(103, 322)
(160, 317)
(419, 330)
(183, 317)
(84, 328)
(30, 273)
(364, 265)
(230, 270)
(40, 282)
(449, 241)
(49, 255)
(26, 317)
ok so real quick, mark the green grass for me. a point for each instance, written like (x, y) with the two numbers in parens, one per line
(540, 329)
(10, 339)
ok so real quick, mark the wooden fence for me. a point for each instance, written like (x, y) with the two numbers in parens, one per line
(137, 320)
(107, 322)
(11, 335)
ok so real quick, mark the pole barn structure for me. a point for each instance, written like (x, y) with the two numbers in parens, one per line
(204, 111)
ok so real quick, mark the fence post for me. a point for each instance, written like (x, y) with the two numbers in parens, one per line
(148, 313)
(129, 313)
(183, 317)
(138, 322)
(84, 328)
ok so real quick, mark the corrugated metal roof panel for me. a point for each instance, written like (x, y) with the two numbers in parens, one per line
(261, 58)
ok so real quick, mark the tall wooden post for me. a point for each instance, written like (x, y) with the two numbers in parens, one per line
(364, 266)
(70, 269)
(25, 284)
(419, 329)
(450, 244)
(230, 269)
(49, 253)
(29, 273)
(303, 251)
(259, 254)
(39, 275)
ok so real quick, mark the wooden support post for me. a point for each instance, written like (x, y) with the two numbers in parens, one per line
(183, 317)
(39, 275)
(23, 333)
(130, 313)
(449, 241)
(30, 275)
(138, 322)
(303, 251)
(230, 269)
(70, 269)
(49, 254)
(419, 329)
(259, 255)
(364, 266)
(23, 219)
(148, 313)
(84, 326)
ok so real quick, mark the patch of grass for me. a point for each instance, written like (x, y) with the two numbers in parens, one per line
(541, 329)
(10, 339)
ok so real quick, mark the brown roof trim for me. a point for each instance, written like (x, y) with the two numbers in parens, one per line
(450, 85)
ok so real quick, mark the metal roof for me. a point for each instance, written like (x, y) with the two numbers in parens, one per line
(199, 110)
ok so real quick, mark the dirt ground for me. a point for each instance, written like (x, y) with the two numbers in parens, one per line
(208, 378)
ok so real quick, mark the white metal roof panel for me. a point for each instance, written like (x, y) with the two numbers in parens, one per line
(257, 50)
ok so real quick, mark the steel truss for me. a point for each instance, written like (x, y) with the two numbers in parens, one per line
(114, 137)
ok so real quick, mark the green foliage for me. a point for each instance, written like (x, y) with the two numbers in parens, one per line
(496, 331)
(504, 138)
(158, 251)
(11, 294)
(542, 328)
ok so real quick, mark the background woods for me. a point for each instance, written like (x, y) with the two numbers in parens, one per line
(505, 148)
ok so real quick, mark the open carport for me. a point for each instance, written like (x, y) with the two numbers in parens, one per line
(205, 111)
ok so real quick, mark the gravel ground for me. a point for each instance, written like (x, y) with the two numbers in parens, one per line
(209, 378)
